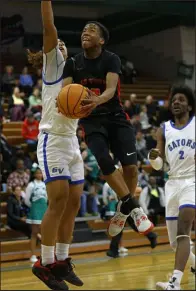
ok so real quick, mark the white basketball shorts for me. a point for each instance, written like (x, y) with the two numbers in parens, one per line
(179, 193)
(59, 158)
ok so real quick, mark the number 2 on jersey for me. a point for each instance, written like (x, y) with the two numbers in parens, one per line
(181, 153)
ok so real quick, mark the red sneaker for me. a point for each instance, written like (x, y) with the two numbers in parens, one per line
(65, 272)
(45, 274)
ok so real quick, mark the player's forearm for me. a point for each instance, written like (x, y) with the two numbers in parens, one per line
(47, 14)
(106, 96)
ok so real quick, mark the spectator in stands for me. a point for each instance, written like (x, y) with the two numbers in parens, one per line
(142, 176)
(92, 173)
(152, 200)
(151, 110)
(90, 164)
(36, 200)
(17, 106)
(135, 120)
(135, 107)
(110, 201)
(30, 131)
(17, 211)
(26, 81)
(151, 140)
(39, 84)
(164, 113)
(141, 148)
(127, 107)
(19, 154)
(144, 119)
(129, 72)
(80, 135)
(2, 117)
(19, 177)
(35, 98)
(8, 80)
(6, 149)
(37, 76)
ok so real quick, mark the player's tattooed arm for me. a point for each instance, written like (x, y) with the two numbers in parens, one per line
(50, 36)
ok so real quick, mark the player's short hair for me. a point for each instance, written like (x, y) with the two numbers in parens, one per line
(104, 31)
(188, 92)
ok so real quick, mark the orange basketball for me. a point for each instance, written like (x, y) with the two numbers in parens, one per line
(69, 100)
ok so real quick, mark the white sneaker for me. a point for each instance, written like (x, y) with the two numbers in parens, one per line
(143, 224)
(167, 286)
(117, 223)
(33, 259)
(123, 250)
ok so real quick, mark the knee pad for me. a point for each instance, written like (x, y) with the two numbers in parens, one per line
(106, 164)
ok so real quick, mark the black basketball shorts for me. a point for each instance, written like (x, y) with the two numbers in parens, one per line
(111, 132)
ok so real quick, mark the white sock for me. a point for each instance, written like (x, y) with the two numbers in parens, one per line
(47, 254)
(62, 251)
(178, 275)
(192, 259)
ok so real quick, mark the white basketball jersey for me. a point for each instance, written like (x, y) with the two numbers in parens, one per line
(52, 121)
(180, 149)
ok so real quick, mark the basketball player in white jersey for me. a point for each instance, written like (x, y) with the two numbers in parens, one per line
(61, 163)
(176, 143)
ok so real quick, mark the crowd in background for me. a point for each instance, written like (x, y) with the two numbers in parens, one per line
(19, 163)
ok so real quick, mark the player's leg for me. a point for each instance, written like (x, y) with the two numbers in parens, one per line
(56, 177)
(66, 226)
(179, 224)
(122, 141)
(65, 232)
(33, 242)
(182, 243)
(96, 137)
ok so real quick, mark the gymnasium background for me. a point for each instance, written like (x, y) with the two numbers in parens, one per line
(156, 43)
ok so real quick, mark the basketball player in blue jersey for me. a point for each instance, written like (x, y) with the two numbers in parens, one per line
(107, 127)
(61, 164)
(176, 143)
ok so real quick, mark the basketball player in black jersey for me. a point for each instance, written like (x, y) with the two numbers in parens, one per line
(107, 127)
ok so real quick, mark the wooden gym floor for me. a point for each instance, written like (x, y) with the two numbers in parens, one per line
(140, 269)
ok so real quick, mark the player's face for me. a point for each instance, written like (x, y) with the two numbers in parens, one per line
(62, 48)
(179, 105)
(91, 36)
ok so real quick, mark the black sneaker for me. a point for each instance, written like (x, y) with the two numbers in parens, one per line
(111, 254)
(65, 272)
(45, 274)
(153, 239)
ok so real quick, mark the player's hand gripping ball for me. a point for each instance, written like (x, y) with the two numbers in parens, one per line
(69, 101)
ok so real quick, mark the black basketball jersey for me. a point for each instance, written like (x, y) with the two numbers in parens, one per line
(91, 73)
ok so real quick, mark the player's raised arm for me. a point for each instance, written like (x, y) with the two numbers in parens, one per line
(50, 37)
(156, 155)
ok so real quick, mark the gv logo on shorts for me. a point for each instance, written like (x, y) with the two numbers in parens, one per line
(57, 170)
